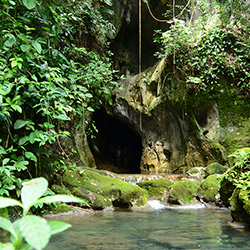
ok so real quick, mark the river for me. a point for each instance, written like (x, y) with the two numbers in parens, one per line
(153, 229)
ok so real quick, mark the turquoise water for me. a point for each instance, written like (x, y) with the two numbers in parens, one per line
(152, 230)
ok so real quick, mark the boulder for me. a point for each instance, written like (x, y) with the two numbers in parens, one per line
(101, 191)
(209, 189)
(215, 168)
(156, 188)
(183, 191)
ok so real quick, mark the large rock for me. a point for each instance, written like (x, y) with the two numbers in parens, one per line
(101, 191)
(183, 192)
(173, 138)
(209, 189)
(156, 188)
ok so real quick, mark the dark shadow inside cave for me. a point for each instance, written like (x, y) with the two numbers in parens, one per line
(112, 134)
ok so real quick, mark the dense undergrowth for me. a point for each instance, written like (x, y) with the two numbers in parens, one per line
(209, 55)
(54, 66)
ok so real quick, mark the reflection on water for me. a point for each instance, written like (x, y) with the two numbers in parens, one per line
(156, 229)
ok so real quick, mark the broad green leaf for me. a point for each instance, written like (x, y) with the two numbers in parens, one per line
(32, 190)
(37, 46)
(5, 161)
(24, 47)
(58, 226)
(26, 247)
(18, 237)
(7, 246)
(31, 156)
(90, 109)
(23, 140)
(35, 230)
(8, 226)
(5, 90)
(88, 95)
(8, 202)
(60, 198)
(19, 124)
(29, 4)
(11, 41)
(16, 107)
(62, 117)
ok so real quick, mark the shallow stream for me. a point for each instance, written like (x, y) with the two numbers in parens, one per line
(152, 229)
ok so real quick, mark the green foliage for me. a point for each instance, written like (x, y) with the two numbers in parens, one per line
(210, 51)
(32, 231)
(47, 77)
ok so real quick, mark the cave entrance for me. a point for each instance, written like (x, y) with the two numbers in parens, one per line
(114, 135)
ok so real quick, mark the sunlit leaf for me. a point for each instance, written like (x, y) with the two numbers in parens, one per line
(8, 226)
(35, 230)
(62, 117)
(60, 198)
(24, 47)
(19, 124)
(29, 4)
(7, 246)
(8, 202)
(31, 156)
(33, 190)
(58, 226)
(37, 46)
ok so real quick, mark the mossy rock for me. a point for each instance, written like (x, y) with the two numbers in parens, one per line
(215, 168)
(209, 188)
(60, 189)
(96, 201)
(156, 188)
(113, 189)
(240, 206)
(218, 151)
(59, 208)
(182, 192)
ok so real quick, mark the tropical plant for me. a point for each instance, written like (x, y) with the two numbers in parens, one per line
(207, 53)
(49, 75)
(32, 232)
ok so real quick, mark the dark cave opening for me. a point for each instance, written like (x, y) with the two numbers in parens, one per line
(114, 135)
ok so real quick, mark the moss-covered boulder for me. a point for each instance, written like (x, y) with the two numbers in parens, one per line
(98, 202)
(240, 205)
(215, 168)
(60, 189)
(59, 208)
(157, 187)
(209, 188)
(182, 192)
(218, 151)
(101, 191)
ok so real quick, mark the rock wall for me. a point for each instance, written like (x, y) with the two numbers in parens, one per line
(174, 137)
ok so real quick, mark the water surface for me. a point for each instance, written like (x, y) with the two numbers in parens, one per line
(152, 230)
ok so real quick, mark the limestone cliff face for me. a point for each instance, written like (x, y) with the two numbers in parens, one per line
(174, 137)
